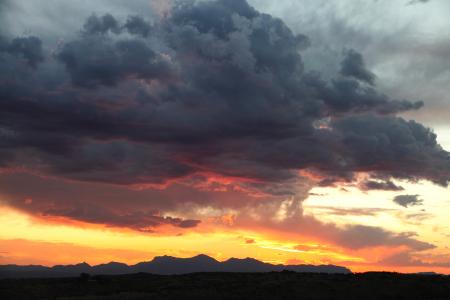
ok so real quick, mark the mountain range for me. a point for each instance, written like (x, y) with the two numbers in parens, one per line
(165, 265)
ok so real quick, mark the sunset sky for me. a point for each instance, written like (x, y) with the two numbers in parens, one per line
(290, 131)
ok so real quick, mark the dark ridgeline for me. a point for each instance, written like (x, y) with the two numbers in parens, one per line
(165, 265)
(202, 277)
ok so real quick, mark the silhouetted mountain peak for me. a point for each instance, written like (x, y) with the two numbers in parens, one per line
(83, 264)
(204, 258)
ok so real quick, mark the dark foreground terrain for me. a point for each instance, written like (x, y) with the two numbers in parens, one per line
(274, 285)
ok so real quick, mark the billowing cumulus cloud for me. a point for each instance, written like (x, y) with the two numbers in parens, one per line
(212, 97)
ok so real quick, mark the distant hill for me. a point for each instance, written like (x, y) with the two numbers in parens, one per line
(165, 265)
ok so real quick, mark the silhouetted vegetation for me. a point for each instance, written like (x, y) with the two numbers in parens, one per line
(273, 285)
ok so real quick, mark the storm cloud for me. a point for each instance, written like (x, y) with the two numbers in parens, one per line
(211, 89)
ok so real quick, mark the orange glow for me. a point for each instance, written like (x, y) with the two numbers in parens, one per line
(50, 244)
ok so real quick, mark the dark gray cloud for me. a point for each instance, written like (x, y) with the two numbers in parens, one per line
(387, 185)
(408, 200)
(93, 61)
(406, 149)
(140, 221)
(138, 26)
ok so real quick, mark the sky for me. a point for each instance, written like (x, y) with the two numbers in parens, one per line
(291, 131)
